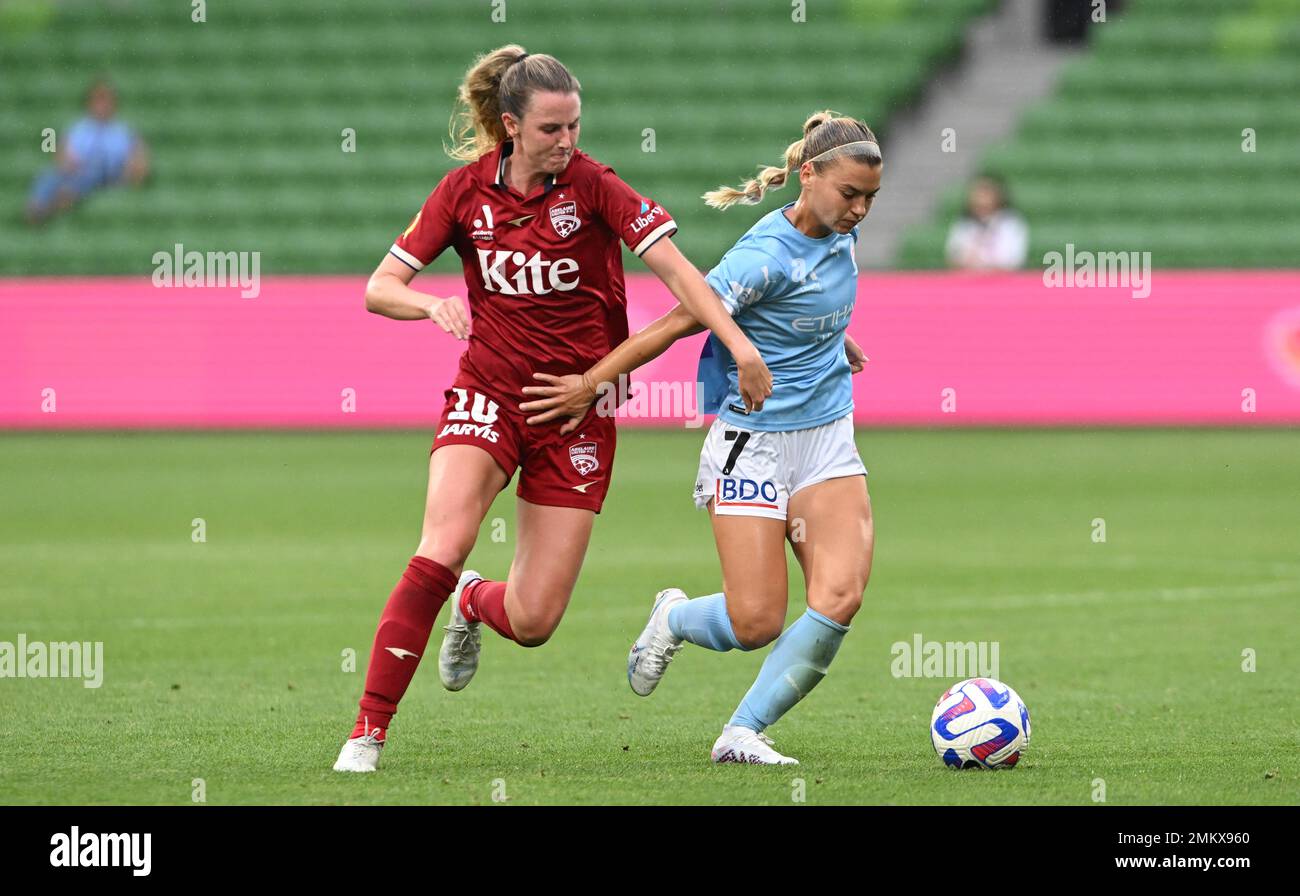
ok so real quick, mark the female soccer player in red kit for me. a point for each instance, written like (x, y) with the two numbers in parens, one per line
(537, 224)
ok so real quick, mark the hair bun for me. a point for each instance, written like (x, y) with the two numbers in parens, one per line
(813, 123)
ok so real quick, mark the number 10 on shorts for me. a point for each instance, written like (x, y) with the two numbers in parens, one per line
(484, 410)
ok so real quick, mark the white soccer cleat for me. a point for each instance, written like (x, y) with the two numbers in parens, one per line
(738, 744)
(458, 657)
(360, 754)
(656, 646)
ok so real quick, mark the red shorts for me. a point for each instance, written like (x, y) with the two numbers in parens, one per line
(560, 471)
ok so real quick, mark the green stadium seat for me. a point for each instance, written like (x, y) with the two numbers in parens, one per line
(244, 112)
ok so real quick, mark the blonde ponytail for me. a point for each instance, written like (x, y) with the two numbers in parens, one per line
(831, 130)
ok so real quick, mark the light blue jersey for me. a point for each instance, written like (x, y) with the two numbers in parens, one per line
(792, 295)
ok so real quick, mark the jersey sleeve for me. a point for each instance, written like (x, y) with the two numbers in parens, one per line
(744, 276)
(431, 230)
(639, 222)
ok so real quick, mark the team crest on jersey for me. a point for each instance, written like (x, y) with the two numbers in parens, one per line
(583, 458)
(564, 218)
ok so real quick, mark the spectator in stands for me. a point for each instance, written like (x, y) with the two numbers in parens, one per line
(990, 235)
(96, 152)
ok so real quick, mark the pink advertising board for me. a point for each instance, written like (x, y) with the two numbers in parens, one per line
(1203, 347)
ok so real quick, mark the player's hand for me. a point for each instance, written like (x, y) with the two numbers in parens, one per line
(754, 379)
(853, 351)
(450, 315)
(563, 396)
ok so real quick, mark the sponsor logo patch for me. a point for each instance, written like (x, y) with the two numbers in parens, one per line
(485, 432)
(746, 492)
(642, 221)
(513, 273)
(480, 232)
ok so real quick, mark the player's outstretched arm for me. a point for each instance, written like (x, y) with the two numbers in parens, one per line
(388, 293)
(570, 396)
(697, 297)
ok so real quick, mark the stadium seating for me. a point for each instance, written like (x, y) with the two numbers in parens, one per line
(1141, 147)
(245, 111)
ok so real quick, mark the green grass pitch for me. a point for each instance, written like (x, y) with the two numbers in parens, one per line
(224, 659)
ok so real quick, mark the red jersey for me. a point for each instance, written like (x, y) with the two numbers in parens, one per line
(544, 272)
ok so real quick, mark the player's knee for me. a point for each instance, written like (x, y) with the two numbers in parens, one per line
(532, 640)
(841, 602)
(534, 629)
(757, 631)
(532, 633)
(447, 546)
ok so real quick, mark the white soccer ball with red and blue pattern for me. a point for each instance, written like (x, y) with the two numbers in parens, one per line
(980, 723)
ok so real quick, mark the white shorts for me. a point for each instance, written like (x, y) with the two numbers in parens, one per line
(749, 472)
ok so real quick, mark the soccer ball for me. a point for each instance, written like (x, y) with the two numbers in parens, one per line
(980, 723)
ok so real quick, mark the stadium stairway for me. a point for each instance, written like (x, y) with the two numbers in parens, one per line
(1007, 66)
(1177, 134)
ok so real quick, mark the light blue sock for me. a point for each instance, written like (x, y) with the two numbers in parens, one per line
(798, 660)
(704, 621)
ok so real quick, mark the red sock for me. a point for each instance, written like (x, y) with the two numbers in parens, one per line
(404, 627)
(486, 602)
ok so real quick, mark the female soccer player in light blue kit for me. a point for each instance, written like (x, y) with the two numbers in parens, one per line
(790, 469)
